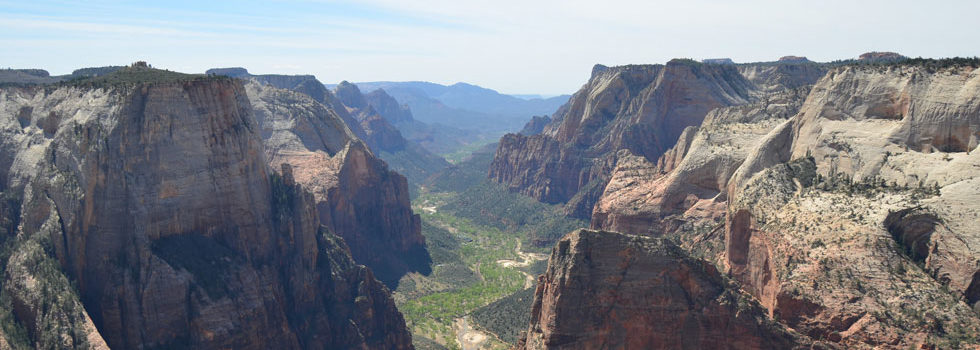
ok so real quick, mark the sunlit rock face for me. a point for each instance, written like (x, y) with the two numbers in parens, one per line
(157, 200)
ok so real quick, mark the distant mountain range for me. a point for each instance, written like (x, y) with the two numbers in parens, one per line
(466, 106)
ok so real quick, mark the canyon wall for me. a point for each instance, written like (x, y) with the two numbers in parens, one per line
(156, 200)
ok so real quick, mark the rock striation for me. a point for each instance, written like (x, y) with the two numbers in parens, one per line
(641, 108)
(620, 291)
(847, 209)
(686, 190)
(156, 199)
(356, 195)
(361, 114)
(407, 157)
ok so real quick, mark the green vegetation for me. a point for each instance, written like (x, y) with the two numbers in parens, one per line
(470, 225)
(136, 75)
(465, 152)
(490, 204)
(54, 300)
(463, 175)
(479, 249)
(507, 317)
(929, 64)
(9, 214)
(283, 198)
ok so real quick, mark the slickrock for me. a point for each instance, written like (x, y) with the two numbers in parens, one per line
(686, 190)
(605, 290)
(850, 215)
(156, 200)
(875, 241)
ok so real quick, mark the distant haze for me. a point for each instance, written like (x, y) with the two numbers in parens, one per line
(512, 46)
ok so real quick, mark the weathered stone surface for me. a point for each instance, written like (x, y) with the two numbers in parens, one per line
(618, 291)
(643, 109)
(408, 158)
(157, 200)
(868, 209)
(852, 220)
(536, 125)
(686, 190)
(356, 195)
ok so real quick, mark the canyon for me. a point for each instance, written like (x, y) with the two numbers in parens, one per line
(788, 204)
(151, 217)
(841, 198)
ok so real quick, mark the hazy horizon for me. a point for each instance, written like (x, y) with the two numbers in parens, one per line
(546, 47)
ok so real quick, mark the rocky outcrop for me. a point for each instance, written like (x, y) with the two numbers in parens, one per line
(356, 195)
(643, 109)
(407, 157)
(884, 203)
(881, 57)
(535, 125)
(305, 125)
(775, 77)
(685, 192)
(156, 199)
(794, 59)
(394, 112)
(717, 61)
(844, 210)
(615, 291)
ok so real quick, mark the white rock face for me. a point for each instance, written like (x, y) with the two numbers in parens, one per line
(851, 211)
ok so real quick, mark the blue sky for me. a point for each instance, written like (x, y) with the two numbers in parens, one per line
(513, 46)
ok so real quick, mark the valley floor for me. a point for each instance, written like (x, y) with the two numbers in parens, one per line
(474, 266)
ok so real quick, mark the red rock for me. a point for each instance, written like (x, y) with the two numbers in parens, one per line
(615, 291)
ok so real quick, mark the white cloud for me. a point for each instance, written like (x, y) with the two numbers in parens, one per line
(512, 46)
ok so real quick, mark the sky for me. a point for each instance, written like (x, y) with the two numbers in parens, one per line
(513, 46)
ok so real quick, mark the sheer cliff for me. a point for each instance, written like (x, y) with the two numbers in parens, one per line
(360, 113)
(356, 195)
(847, 209)
(643, 109)
(619, 291)
(151, 193)
(376, 113)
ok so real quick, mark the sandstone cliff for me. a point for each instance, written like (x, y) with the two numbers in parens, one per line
(686, 190)
(850, 215)
(893, 156)
(605, 290)
(408, 158)
(535, 126)
(156, 200)
(369, 117)
(356, 195)
(643, 109)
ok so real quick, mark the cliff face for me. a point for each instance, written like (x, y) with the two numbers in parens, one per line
(643, 109)
(849, 214)
(686, 189)
(387, 106)
(156, 199)
(613, 290)
(902, 138)
(376, 113)
(536, 125)
(356, 195)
